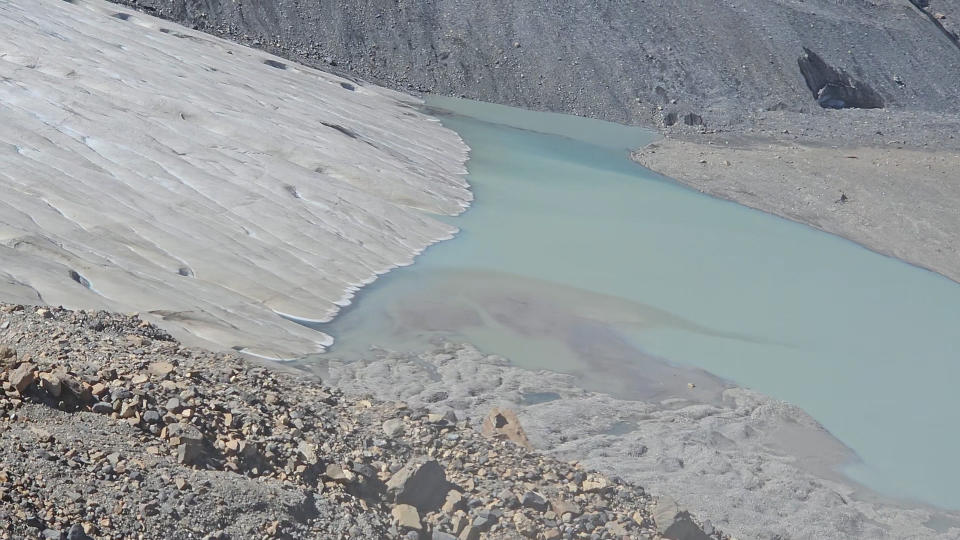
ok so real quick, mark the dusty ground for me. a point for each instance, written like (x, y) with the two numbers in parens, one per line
(898, 201)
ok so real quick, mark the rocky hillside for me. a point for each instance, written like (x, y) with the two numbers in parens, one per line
(110, 429)
(654, 61)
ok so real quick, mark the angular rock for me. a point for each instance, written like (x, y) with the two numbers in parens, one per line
(338, 473)
(509, 499)
(674, 523)
(51, 384)
(406, 517)
(561, 507)
(534, 500)
(308, 451)
(77, 392)
(453, 502)
(484, 521)
(190, 452)
(469, 533)
(503, 424)
(393, 427)
(161, 369)
(76, 532)
(423, 485)
(22, 377)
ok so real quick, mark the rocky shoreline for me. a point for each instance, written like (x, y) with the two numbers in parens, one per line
(112, 429)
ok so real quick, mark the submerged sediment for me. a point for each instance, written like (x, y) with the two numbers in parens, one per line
(751, 465)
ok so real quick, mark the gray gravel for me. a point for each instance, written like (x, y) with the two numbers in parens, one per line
(110, 429)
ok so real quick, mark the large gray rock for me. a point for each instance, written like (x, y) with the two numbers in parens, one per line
(422, 485)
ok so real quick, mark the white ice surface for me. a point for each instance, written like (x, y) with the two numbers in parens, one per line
(133, 150)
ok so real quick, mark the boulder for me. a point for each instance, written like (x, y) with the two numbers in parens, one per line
(22, 377)
(422, 485)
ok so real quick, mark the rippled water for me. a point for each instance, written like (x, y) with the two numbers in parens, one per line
(577, 260)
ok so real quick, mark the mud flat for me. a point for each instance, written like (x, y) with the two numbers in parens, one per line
(219, 191)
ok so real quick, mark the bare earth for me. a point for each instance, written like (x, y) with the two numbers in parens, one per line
(900, 202)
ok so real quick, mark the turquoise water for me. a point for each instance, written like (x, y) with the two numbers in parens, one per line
(575, 259)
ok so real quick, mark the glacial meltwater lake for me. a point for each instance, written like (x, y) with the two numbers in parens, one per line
(575, 259)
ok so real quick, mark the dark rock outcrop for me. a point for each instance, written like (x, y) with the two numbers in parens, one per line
(834, 88)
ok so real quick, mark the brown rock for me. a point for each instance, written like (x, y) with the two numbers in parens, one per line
(98, 389)
(22, 377)
(504, 424)
(595, 483)
(127, 410)
(561, 507)
(524, 525)
(161, 369)
(406, 516)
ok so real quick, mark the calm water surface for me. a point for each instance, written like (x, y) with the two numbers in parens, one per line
(575, 259)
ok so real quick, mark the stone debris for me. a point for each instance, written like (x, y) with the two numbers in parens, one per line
(504, 424)
(110, 429)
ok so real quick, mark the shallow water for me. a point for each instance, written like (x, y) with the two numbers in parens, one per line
(577, 260)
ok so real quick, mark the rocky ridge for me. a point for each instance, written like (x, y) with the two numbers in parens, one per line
(111, 429)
